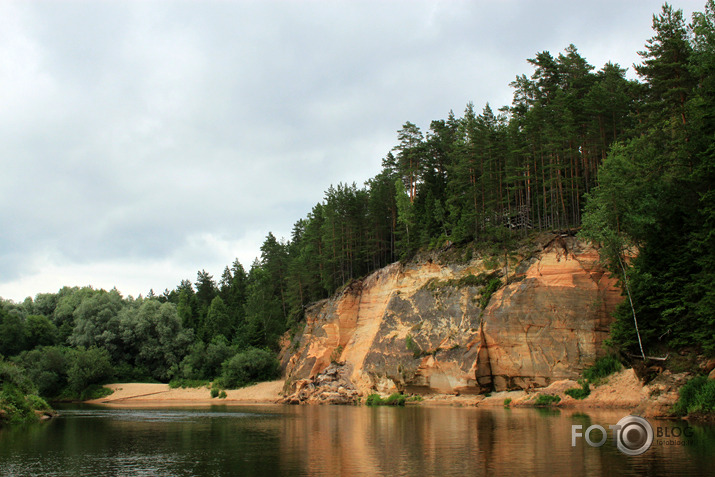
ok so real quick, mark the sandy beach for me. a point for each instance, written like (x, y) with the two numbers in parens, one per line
(146, 394)
(622, 390)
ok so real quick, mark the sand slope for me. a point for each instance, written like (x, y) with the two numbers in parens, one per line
(162, 394)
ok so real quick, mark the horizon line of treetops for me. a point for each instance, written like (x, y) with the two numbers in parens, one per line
(631, 162)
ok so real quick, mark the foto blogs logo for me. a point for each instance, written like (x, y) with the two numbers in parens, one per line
(633, 435)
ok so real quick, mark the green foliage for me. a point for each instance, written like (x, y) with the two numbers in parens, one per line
(214, 392)
(87, 367)
(655, 192)
(218, 321)
(248, 367)
(579, 393)
(183, 383)
(413, 347)
(36, 403)
(488, 291)
(222, 394)
(40, 331)
(12, 333)
(47, 368)
(547, 400)
(335, 355)
(94, 391)
(697, 396)
(507, 402)
(394, 399)
(602, 368)
(18, 399)
(484, 279)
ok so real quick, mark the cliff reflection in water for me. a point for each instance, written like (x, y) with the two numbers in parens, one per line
(331, 440)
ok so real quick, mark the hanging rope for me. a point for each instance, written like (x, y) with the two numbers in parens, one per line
(630, 300)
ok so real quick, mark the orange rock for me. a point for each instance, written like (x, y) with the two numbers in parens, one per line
(417, 327)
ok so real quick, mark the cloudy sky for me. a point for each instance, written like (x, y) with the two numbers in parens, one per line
(143, 141)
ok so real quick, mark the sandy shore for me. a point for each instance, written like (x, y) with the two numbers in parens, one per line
(622, 390)
(130, 394)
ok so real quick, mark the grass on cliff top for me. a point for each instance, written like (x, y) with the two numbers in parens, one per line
(470, 280)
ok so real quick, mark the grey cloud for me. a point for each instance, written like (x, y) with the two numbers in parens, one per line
(129, 129)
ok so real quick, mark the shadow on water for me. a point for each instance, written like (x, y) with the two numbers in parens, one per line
(331, 440)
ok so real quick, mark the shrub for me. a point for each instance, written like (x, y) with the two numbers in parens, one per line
(36, 403)
(547, 400)
(488, 291)
(250, 366)
(335, 355)
(395, 399)
(602, 368)
(222, 394)
(18, 400)
(697, 396)
(187, 383)
(90, 366)
(579, 393)
(94, 391)
(214, 392)
(373, 400)
(507, 402)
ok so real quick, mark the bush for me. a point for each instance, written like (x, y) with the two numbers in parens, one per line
(696, 397)
(602, 368)
(507, 402)
(579, 393)
(222, 394)
(18, 400)
(88, 367)
(547, 400)
(94, 391)
(488, 291)
(187, 383)
(36, 403)
(47, 368)
(395, 399)
(214, 392)
(248, 367)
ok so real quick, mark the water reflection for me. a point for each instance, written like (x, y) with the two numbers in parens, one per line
(324, 440)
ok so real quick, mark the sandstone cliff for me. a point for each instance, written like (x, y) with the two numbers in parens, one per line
(429, 327)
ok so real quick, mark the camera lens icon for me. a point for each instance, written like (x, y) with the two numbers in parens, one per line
(634, 435)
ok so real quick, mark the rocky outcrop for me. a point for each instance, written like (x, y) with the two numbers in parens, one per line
(489, 324)
(332, 386)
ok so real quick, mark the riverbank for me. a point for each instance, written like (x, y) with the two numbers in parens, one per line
(622, 390)
(130, 394)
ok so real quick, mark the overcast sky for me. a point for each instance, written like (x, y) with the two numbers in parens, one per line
(143, 141)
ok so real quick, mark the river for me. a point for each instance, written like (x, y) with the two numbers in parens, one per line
(333, 440)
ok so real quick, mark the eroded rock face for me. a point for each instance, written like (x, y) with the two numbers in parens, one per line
(331, 386)
(420, 327)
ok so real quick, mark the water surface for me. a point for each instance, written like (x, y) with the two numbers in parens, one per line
(333, 440)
